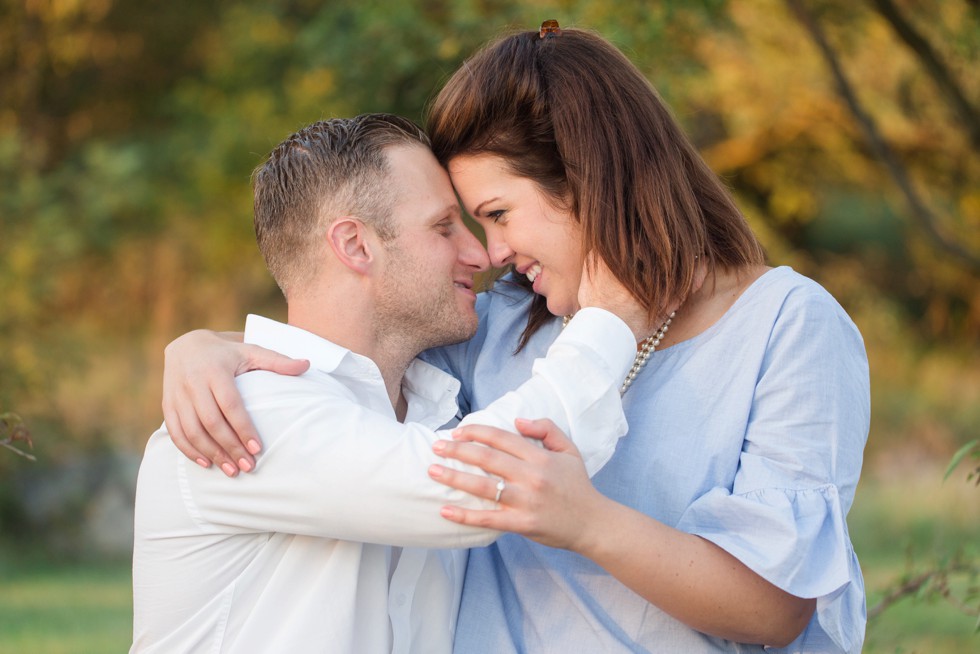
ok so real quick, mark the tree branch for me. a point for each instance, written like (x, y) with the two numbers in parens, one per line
(914, 585)
(12, 430)
(910, 587)
(920, 212)
(22, 453)
(968, 114)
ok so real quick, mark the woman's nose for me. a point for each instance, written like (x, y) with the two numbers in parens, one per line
(500, 253)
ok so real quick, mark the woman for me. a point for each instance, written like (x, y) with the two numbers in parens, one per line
(719, 523)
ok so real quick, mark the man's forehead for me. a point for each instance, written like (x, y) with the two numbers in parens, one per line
(422, 186)
(412, 154)
(424, 211)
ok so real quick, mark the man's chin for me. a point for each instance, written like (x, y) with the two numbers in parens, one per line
(460, 333)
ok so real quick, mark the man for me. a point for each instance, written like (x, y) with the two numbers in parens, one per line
(322, 547)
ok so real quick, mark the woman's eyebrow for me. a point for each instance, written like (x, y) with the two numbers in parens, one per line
(480, 206)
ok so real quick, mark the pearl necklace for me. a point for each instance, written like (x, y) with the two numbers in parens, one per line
(643, 353)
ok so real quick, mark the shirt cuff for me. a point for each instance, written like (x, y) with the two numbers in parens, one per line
(604, 333)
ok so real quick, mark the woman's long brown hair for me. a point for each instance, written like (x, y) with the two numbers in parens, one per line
(573, 114)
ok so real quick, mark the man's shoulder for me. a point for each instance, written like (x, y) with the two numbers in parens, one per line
(259, 386)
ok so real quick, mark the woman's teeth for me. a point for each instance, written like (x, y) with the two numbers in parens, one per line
(533, 272)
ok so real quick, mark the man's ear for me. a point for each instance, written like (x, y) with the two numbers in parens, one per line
(351, 242)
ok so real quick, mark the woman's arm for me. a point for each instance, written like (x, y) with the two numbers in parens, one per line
(338, 469)
(548, 498)
(202, 407)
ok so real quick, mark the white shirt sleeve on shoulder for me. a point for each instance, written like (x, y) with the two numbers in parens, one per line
(340, 470)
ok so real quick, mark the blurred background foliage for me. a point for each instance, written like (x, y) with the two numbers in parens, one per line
(128, 132)
(850, 132)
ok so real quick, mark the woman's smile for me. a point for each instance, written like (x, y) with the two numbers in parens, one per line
(523, 226)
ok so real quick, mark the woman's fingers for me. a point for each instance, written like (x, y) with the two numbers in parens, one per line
(488, 459)
(203, 408)
(198, 424)
(260, 358)
(476, 485)
(542, 430)
(179, 439)
(537, 429)
(226, 420)
(497, 452)
(548, 433)
(502, 518)
(192, 416)
(222, 411)
(216, 433)
(546, 489)
(499, 520)
(499, 439)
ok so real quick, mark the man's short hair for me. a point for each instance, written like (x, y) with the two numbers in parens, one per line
(328, 169)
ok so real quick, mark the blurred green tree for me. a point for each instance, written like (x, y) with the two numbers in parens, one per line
(128, 132)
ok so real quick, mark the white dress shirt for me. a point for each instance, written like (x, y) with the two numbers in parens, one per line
(297, 556)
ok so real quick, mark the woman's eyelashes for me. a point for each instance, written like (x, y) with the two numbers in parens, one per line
(495, 215)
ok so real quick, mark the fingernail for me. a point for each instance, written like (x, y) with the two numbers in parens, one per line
(244, 464)
(229, 469)
(253, 447)
(435, 471)
(204, 463)
(439, 446)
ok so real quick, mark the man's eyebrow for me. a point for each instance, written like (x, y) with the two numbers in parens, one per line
(476, 212)
(452, 210)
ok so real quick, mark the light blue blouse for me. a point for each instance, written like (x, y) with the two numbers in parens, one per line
(750, 435)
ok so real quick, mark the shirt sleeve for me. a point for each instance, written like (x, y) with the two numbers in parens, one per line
(587, 408)
(335, 469)
(785, 516)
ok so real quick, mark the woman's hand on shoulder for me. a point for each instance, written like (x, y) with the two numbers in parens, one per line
(546, 491)
(202, 407)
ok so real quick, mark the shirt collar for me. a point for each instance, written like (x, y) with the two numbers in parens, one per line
(297, 343)
(430, 392)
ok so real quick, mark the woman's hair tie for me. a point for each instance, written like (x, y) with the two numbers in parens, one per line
(549, 29)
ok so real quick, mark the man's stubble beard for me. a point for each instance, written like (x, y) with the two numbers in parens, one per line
(415, 312)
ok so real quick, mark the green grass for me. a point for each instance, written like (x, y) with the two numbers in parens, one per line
(50, 608)
(905, 519)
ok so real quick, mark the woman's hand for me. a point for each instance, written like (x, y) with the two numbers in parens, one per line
(600, 288)
(546, 491)
(202, 407)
